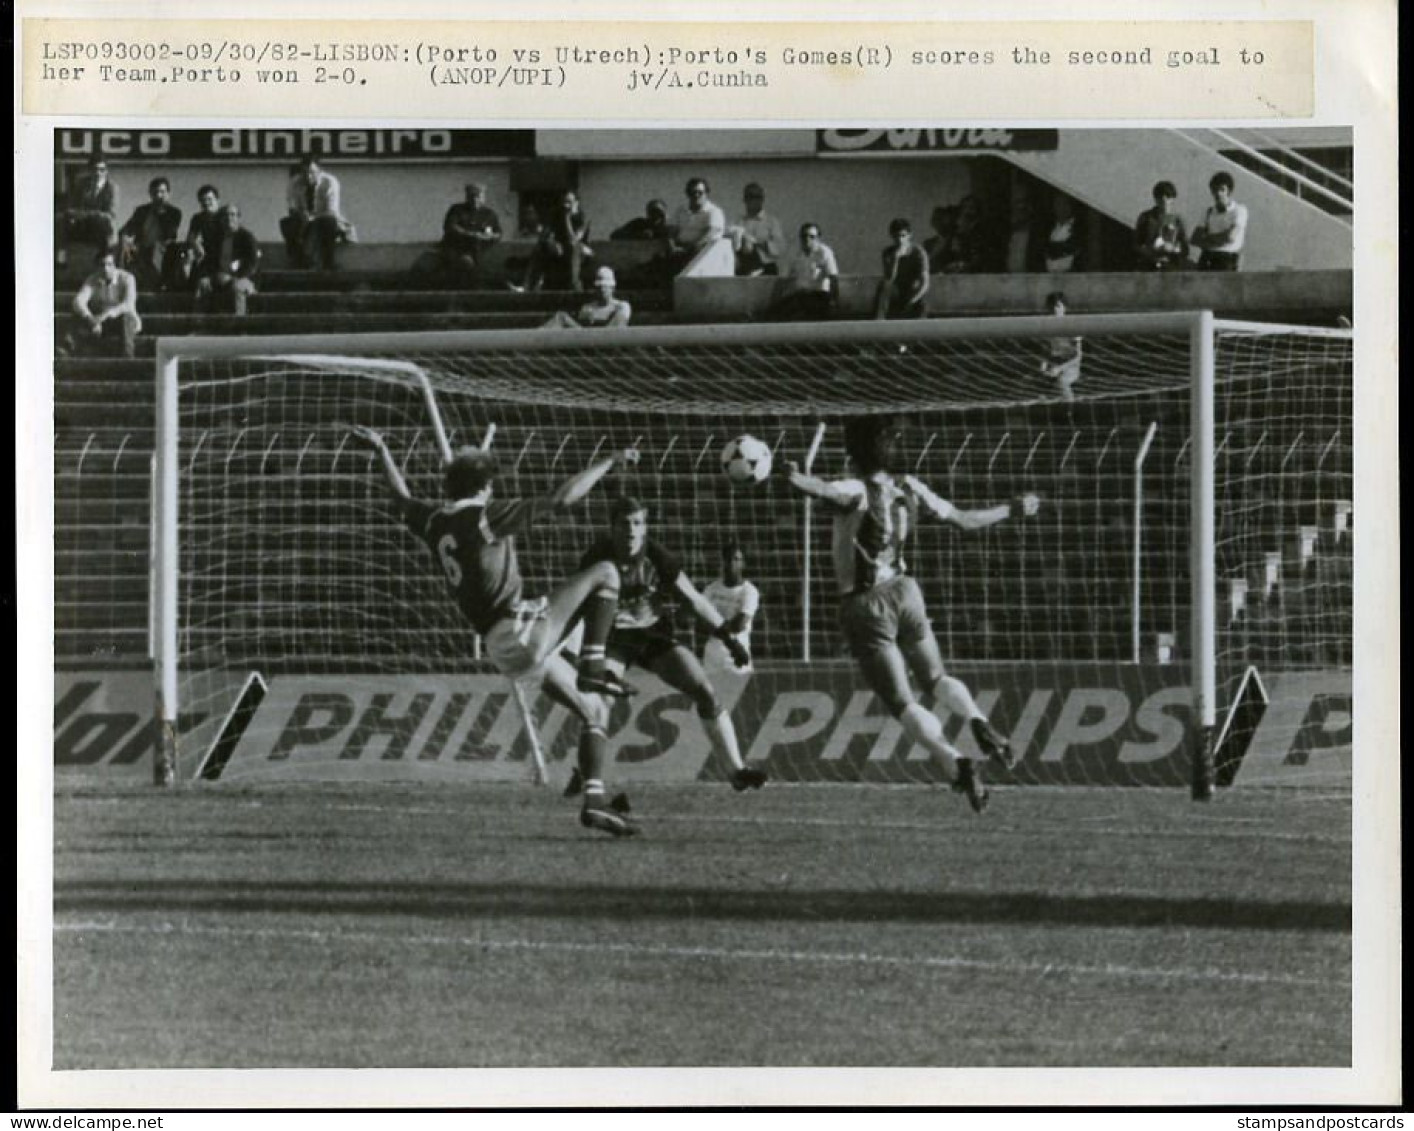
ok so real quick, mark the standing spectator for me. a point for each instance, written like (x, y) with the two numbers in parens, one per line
(315, 224)
(652, 225)
(941, 246)
(696, 226)
(756, 237)
(1160, 241)
(90, 215)
(469, 228)
(1063, 240)
(1223, 232)
(905, 279)
(604, 311)
(226, 275)
(974, 251)
(561, 249)
(812, 287)
(105, 308)
(1062, 359)
(150, 235)
(1021, 235)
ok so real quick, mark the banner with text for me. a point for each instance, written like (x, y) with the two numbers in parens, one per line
(1070, 724)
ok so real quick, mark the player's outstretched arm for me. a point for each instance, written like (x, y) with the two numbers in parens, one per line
(707, 613)
(1023, 505)
(396, 483)
(841, 493)
(576, 487)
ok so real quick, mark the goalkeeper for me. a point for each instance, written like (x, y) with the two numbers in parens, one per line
(652, 580)
(472, 536)
(882, 615)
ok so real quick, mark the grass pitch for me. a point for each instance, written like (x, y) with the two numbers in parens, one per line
(401, 926)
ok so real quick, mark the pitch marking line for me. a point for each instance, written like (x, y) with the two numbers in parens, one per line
(695, 953)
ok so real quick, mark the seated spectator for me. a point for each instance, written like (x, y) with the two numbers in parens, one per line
(1061, 362)
(1063, 238)
(756, 237)
(696, 226)
(204, 228)
(941, 246)
(528, 223)
(905, 279)
(105, 310)
(603, 311)
(315, 224)
(560, 251)
(150, 234)
(1223, 232)
(90, 215)
(652, 225)
(469, 228)
(1160, 241)
(226, 275)
(811, 288)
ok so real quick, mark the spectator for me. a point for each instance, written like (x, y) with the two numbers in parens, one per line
(315, 224)
(905, 279)
(1021, 235)
(528, 222)
(604, 311)
(90, 216)
(1062, 360)
(105, 308)
(757, 238)
(813, 284)
(469, 229)
(1063, 240)
(226, 274)
(941, 246)
(652, 225)
(204, 229)
(559, 254)
(1160, 241)
(150, 234)
(696, 226)
(1223, 232)
(973, 250)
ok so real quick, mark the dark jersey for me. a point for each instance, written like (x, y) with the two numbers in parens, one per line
(475, 549)
(646, 581)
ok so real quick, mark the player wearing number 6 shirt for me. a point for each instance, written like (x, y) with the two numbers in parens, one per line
(472, 536)
(882, 614)
(651, 582)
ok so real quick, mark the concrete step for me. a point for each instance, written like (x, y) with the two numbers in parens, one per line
(393, 301)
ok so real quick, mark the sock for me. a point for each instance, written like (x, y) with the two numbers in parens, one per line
(592, 744)
(598, 612)
(723, 735)
(921, 725)
(954, 695)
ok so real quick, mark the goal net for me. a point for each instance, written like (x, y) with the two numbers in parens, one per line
(300, 630)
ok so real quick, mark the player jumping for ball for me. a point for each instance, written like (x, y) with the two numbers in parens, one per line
(643, 631)
(472, 536)
(883, 617)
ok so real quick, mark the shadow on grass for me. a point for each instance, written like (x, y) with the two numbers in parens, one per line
(558, 901)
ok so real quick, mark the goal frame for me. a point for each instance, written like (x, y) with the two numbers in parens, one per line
(1200, 327)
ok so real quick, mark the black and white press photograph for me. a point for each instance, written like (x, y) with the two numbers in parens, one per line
(734, 598)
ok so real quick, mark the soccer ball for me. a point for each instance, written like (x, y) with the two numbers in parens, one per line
(746, 460)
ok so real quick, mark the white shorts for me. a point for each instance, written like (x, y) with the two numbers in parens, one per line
(518, 644)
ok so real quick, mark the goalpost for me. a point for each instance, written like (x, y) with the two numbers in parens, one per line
(1192, 452)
